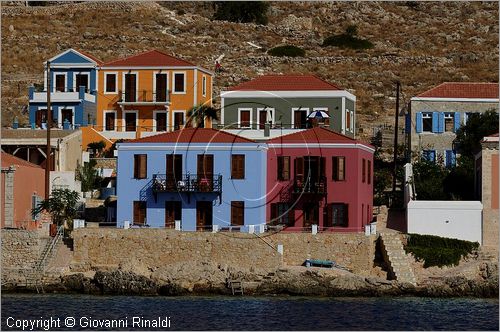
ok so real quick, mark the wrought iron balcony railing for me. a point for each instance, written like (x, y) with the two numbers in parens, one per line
(187, 183)
(144, 96)
(309, 185)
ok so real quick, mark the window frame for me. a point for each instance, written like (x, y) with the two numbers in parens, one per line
(104, 120)
(75, 88)
(174, 74)
(363, 170)
(345, 215)
(299, 109)
(155, 124)
(449, 116)
(54, 85)
(245, 109)
(426, 116)
(106, 92)
(154, 84)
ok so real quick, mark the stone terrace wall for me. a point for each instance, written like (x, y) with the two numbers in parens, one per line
(20, 251)
(149, 249)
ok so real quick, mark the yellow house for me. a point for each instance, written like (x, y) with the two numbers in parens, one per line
(148, 93)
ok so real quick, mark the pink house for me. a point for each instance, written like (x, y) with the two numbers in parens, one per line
(23, 186)
(319, 177)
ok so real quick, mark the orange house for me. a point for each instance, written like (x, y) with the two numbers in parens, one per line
(148, 93)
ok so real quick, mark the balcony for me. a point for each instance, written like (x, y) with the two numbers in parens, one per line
(144, 97)
(310, 186)
(68, 95)
(187, 183)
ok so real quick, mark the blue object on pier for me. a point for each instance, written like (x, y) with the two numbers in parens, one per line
(318, 262)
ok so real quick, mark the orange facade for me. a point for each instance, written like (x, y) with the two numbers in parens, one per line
(149, 93)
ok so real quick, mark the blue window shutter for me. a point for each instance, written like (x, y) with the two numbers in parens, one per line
(407, 123)
(419, 122)
(453, 158)
(435, 122)
(433, 156)
(457, 122)
(441, 122)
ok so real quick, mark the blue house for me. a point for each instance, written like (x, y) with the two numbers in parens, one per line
(196, 177)
(73, 87)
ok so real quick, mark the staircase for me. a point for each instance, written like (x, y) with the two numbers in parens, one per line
(396, 259)
(236, 286)
(36, 277)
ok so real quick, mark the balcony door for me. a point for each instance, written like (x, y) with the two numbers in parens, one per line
(205, 171)
(173, 212)
(203, 215)
(174, 169)
(66, 115)
(161, 87)
(300, 119)
(60, 82)
(308, 172)
(130, 87)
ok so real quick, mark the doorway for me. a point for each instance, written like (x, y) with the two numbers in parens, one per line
(311, 214)
(173, 212)
(203, 215)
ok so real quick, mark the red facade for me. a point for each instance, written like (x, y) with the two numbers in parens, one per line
(319, 177)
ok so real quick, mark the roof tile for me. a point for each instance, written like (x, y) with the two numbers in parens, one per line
(194, 135)
(463, 90)
(9, 160)
(313, 135)
(152, 58)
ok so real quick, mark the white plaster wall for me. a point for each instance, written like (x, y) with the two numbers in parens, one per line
(453, 219)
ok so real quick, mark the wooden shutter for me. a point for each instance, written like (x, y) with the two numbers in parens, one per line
(140, 166)
(237, 213)
(238, 166)
(419, 122)
(322, 164)
(299, 167)
(369, 171)
(284, 168)
(139, 212)
(363, 171)
(338, 168)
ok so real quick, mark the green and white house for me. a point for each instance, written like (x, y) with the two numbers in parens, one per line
(273, 105)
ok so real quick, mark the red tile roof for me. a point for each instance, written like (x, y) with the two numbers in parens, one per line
(313, 135)
(152, 58)
(285, 83)
(463, 90)
(99, 62)
(194, 135)
(9, 160)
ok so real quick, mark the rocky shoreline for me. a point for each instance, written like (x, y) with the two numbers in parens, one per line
(293, 282)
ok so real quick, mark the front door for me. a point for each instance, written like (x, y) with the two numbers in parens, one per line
(311, 214)
(67, 115)
(130, 121)
(178, 120)
(203, 215)
(173, 212)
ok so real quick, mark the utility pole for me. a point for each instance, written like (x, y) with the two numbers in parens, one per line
(395, 141)
(49, 124)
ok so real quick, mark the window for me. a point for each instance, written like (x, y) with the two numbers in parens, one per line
(282, 213)
(35, 201)
(338, 168)
(110, 83)
(283, 168)
(348, 120)
(130, 121)
(178, 119)
(81, 80)
(427, 121)
(363, 171)
(337, 215)
(60, 82)
(237, 213)
(140, 166)
(467, 115)
(352, 121)
(110, 118)
(450, 158)
(139, 212)
(179, 83)
(448, 122)
(244, 118)
(429, 155)
(369, 171)
(238, 166)
(204, 86)
(265, 115)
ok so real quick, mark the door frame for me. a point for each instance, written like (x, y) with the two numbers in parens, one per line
(59, 116)
(199, 205)
(136, 84)
(175, 205)
(183, 119)
(136, 120)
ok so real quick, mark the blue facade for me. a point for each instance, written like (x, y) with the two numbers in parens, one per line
(251, 189)
(75, 104)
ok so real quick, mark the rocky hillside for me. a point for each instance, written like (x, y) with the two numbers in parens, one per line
(419, 43)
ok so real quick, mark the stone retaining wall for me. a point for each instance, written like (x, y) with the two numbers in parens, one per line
(149, 249)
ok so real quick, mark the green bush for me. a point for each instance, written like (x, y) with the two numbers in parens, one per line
(241, 11)
(438, 251)
(346, 40)
(286, 50)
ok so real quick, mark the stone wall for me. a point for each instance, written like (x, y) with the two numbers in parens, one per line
(490, 209)
(146, 250)
(105, 163)
(20, 251)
